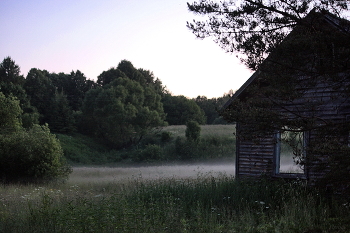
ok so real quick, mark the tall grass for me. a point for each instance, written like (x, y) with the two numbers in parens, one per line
(202, 204)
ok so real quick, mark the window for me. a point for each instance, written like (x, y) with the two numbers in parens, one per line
(290, 151)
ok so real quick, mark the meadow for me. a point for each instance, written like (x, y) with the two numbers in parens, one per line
(183, 198)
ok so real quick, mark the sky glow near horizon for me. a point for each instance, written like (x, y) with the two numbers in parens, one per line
(93, 36)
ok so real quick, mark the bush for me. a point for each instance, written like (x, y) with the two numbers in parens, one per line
(220, 121)
(166, 136)
(185, 149)
(150, 153)
(33, 155)
(193, 131)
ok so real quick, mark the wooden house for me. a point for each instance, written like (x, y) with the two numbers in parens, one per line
(297, 103)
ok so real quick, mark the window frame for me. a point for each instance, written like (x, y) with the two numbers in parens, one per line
(277, 157)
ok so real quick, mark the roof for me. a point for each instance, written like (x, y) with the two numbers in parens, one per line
(241, 89)
(342, 25)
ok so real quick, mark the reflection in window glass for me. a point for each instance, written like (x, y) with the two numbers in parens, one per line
(290, 152)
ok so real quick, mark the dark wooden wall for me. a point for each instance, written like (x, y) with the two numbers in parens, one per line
(254, 159)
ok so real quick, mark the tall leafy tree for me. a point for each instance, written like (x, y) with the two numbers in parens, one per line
(41, 91)
(77, 87)
(10, 112)
(60, 117)
(180, 110)
(57, 96)
(59, 80)
(108, 76)
(129, 70)
(11, 84)
(11, 80)
(211, 108)
(151, 80)
(88, 124)
(125, 108)
(10, 72)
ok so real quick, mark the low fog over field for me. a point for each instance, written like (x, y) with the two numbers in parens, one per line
(110, 174)
(151, 172)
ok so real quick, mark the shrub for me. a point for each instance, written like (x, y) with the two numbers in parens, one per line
(33, 155)
(185, 149)
(150, 153)
(166, 136)
(193, 131)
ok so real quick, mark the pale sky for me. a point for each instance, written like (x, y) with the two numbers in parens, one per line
(95, 35)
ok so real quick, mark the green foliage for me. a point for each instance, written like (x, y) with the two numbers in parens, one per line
(10, 72)
(125, 109)
(169, 144)
(73, 85)
(179, 110)
(193, 131)
(149, 153)
(80, 149)
(212, 106)
(209, 147)
(33, 155)
(61, 117)
(27, 155)
(121, 110)
(185, 150)
(209, 107)
(76, 87)
(41, 90)
(56, 96)
(216, 141)
(11, 85)
(86, 120)
(30, 117)
(106, 77)
(166, 136)
(10, 112)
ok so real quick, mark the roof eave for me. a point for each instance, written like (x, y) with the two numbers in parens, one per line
(241, 89)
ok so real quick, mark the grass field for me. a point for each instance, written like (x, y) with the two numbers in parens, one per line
(163, 199)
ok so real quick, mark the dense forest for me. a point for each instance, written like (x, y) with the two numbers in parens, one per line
(120, 107)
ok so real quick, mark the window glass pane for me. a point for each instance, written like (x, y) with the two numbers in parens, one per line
(291, 152)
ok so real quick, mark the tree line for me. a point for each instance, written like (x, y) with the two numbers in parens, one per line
(120, 107)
